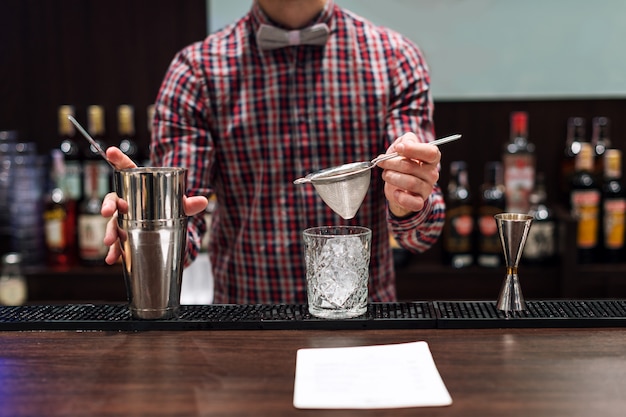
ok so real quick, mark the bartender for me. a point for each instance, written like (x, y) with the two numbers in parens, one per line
(292, 87)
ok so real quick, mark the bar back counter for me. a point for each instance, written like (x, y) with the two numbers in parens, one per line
(560, 357)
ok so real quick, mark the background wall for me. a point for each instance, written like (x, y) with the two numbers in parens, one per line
(501, 49)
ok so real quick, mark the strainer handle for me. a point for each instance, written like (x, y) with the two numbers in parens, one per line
(302, 180)
(392, 155)
(383, 157)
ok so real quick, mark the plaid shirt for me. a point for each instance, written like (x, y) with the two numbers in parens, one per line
(248, 122)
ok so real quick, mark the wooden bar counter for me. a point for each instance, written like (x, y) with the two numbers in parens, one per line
(488, 372)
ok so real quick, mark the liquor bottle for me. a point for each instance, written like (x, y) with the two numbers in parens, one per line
(491, 203)
(59, 216)
(91, 224)
(575, 136)
(601, 141)
(519, 165)
(613, 207)
(97, 183)
(458, 230)
(96, 128)
(126, 131)
(13, 285)
(71, 149)
(585, 203)
(541, 243)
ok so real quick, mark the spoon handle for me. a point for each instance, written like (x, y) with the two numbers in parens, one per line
(445, 140)
(90, 140)
(440, 141)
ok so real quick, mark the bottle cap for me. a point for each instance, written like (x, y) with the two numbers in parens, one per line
(576, 128)
(66, 128)
(600, 133)
(95, 117)
(150, 112)
(125, 116)
(519, 121)
(601, 121)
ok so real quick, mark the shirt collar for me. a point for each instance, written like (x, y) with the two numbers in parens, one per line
(258, 17)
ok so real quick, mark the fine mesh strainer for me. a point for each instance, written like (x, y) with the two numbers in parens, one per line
(343, 187)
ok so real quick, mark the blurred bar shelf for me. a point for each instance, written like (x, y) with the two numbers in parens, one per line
(418, 277)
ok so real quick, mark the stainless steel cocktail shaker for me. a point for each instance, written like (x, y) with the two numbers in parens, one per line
(153, 236)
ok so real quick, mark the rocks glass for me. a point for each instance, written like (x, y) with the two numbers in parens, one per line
(337, 270)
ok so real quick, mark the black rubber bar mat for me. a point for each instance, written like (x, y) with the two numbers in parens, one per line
(410, 315)
(556, 313)
(205, 317)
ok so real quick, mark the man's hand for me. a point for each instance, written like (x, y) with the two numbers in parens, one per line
(410, 178)
(112, 204)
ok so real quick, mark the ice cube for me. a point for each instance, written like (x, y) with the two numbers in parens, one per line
(340, 264)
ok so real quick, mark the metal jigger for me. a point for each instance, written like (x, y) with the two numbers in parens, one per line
(513, 229)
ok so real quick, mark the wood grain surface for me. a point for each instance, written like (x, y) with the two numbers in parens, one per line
(501, 372)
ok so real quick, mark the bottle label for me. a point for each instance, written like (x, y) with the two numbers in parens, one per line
(91, 230)
(489, 239)
(54, 228)
(13, 291)
(104, 174)
(586, 209)
(72, 179)
(614, 210)
(487, 225)
(460, 226)
(519, 181)
(541, 242)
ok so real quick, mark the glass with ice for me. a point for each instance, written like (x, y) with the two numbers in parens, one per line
(337, 270)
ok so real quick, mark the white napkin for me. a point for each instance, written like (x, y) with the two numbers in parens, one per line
(385, 376)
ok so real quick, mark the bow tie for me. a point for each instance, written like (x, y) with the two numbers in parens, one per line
(271, 37)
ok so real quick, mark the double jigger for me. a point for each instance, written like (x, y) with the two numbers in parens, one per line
(513, 229)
